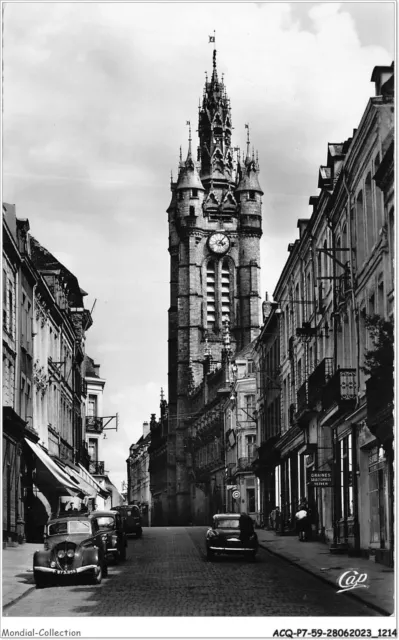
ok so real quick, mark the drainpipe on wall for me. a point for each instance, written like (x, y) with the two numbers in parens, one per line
(357, 340)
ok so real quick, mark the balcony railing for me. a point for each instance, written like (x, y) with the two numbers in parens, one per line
(318, 379)
(340, 390)
(94, 424)
(97, 467)
(302, 398)
(244, 464)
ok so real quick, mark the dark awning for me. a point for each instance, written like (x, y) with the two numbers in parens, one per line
(49, 474)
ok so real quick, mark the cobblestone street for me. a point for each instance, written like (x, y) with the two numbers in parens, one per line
(166, 574)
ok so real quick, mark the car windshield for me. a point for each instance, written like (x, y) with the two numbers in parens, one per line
(72, 526)
(226, 523)
(106, 522)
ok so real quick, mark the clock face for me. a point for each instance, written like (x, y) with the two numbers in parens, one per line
(219, 243)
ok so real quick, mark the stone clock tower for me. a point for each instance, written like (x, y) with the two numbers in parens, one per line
(215, 225)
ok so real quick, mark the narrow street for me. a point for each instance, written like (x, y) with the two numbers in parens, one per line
(166, 573)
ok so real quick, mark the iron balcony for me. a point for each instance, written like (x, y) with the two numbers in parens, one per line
(339, 395)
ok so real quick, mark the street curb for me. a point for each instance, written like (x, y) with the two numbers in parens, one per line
(18, 598)
(324, 579)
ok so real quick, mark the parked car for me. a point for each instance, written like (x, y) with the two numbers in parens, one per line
(132, 517)
(112, 527)
(226, 536)
(73, 545)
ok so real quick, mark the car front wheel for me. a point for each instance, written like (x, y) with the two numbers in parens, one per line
(97, 574)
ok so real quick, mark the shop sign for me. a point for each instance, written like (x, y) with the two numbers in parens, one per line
(321, 478)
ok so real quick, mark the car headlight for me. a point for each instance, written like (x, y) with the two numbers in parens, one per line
(114, 541)
(70, 553)
(61, 553)
(212, 534)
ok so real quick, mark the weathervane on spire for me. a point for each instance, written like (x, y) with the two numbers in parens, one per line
(213, 38)
(248, 143)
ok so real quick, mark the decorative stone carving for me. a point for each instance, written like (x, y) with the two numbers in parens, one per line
(40, 312)
(40, 378)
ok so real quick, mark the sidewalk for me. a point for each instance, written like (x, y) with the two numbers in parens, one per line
(315, 558)
(17, 571)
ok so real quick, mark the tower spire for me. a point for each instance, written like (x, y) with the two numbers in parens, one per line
(189, 139)
(248, 141)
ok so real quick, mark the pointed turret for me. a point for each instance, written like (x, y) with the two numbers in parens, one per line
(189, 177)
(249, 173)
(214, 130)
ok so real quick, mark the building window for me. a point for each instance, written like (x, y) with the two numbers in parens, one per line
(250, 444)
(192, 210)
(297, 304)
(93, 449)
(210, 295)
(381, 300)
(250, 367)
(4, 300)
(378, 197)
(299, 373)
(194, 193)
(359, 234)
(249, 405)
(369, 213)
(92, 406)
(252, 195)
(10, 312)
(251, 501)
(346, 477)
(22, 397)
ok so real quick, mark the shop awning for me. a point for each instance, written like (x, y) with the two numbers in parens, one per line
(88, 478)
(74, 476)
(48, 473)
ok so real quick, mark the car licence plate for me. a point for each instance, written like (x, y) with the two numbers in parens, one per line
(65, 572)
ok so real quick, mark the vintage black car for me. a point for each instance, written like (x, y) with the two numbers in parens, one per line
(226, 536)
(132, 519)
(112, 527)
(73, 545)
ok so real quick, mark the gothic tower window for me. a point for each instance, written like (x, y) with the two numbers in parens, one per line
(225, 291)
(210, 295)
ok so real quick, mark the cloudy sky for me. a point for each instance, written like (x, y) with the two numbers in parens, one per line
(96, 99)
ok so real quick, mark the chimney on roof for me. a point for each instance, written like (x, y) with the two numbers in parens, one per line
(146, 429)
(302, 224)
(313, 200)
(96, 368)
(380, 76)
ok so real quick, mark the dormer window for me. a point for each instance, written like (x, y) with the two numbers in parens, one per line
(194, 193)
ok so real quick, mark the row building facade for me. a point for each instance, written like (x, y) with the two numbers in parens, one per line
(46, 460)
(325, 352)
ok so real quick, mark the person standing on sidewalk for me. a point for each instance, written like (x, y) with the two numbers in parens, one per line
(302, 521)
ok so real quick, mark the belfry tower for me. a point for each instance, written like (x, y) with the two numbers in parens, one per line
(215, 226)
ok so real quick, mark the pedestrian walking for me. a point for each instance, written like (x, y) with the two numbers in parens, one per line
(302, 521)
(246, 528)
